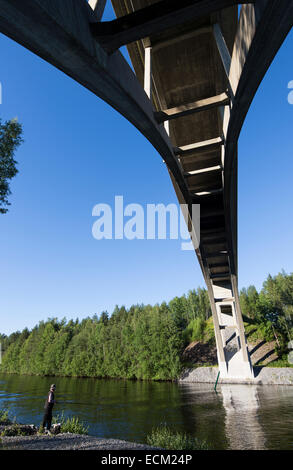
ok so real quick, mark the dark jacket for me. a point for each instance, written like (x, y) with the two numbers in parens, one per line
(49, 403)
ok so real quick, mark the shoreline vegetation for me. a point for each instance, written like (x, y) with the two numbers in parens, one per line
(148, 342)
(17, 436)
(60, 424)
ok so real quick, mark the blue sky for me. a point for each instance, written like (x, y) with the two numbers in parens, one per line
(79, 152)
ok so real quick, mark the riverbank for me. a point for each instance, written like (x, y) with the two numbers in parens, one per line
(68, 442)
(263, 376)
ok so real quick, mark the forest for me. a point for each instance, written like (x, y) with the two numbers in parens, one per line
(143, 341)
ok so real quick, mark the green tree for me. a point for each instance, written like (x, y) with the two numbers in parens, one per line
(10, 139)
(144, 341)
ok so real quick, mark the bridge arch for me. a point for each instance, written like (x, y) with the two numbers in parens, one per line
(197, 68)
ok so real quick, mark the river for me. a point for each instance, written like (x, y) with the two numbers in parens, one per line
(236, 417)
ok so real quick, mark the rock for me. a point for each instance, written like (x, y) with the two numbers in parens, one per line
(70, 442)
(200, 353)
(262, 352)
(19, 430)
(56, 428)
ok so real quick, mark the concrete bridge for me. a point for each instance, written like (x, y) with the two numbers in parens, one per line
(198, 64)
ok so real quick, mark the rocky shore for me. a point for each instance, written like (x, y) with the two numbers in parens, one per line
(14, 436)
(67, 442)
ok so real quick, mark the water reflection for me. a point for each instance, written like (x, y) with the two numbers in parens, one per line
(203, 414)
(242, 424)
(237, 417)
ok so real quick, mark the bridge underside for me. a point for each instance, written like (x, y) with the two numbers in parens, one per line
(197, 67)
(187, 71)
(186, 68)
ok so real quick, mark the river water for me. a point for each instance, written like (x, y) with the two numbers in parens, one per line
(236, 417)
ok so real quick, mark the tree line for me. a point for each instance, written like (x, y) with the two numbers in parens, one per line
(143, 341)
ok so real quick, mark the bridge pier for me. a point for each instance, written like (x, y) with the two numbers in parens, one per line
(233, 356)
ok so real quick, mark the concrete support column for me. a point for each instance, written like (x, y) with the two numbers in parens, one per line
(239, 320)
(236, 364)
(224, 54)
(167, 127)
(148, 71)
(218, 335)
(98, 7)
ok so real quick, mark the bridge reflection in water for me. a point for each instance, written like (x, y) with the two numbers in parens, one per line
(233, 417)
(242, 424)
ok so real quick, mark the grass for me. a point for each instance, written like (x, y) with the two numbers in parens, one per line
(195, 365)
(165, 438)
(259, 331)
(281, 362)
(14, 430)
(4, 416)
(71, 424)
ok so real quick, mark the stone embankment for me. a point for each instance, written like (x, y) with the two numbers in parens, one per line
(262, 376)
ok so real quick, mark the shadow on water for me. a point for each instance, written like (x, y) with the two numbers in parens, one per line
(237, 417)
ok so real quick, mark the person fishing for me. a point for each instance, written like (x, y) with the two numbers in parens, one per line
(47, 420)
